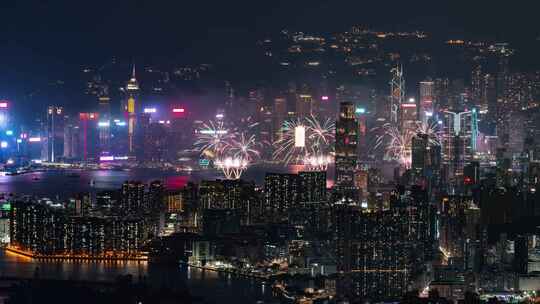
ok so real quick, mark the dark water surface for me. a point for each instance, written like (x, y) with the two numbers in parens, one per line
(213, 287)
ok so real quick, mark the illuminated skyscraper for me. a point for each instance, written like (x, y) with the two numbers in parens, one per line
(397, 94)
(426, 100)
(132, 92)
(54, 134)
(346, 150)
(88, 135)
(460, 134)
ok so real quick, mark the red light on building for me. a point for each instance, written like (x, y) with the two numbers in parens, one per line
(408, 105)
(467, 180)
(88, 116)
(325, 98)
(178, 110)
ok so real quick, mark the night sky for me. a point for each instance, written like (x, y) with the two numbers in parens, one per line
(45, 39)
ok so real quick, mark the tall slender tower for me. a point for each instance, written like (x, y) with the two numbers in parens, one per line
(346, 150)
(132, 92)
(397, 94)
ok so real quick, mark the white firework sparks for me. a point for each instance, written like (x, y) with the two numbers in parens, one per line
(213, 138)
(232, 167)
(396, 144)
(245, 147)
(307, 142)
(431, 130)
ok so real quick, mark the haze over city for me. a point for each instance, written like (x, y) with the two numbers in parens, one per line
(272, 152)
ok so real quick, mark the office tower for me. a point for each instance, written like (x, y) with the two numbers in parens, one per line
(419, 156)
(408, 116)
(397, 94)
(306, 104)
(71, 140)
(442, 94)
(141, 137)
(53, 147)
(88, 136)
(156, 196)
(280, 193)
(181, 131)
(426, 102)
(132, 103)
(119, 137)
(312, 186)
(104, 110)
(460, 132)
(346, 150)
(362, 115)
(280, 115)
(133, 197)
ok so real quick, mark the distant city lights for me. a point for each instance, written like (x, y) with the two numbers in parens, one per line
(111, 158)
(213, 132)
(150, 110)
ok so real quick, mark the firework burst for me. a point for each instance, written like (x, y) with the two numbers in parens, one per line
(307, 142)
(431, 130)
(213, 139)
(231, 151)
(232, 167)
(396, 144)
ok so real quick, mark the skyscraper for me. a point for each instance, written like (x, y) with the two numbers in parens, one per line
(346, 150)
(54, 134)
(426, 100)
(132, 92)
(312, 186)
(281, 193)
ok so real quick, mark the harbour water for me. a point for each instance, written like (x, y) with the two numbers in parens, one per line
(213, 287)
